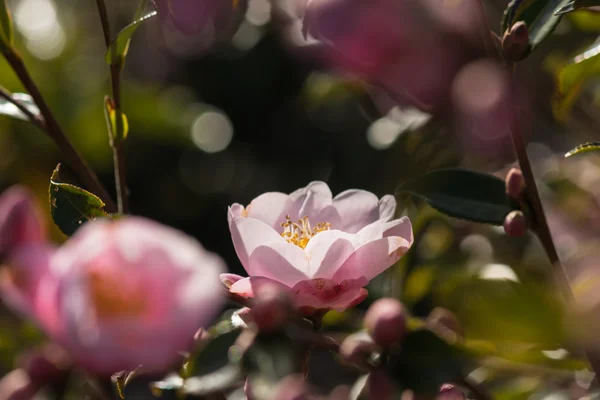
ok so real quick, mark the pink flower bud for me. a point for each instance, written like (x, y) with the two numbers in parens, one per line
(386, 322)
(515, 183)
(445, 323)
(356, 348)
(515, 224)
(515, 43)
(450, 392)
(21, 221)
(125, 293)
(272, 310)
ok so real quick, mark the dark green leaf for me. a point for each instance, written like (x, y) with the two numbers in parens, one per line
(70, 205)
(539, 15)
(426, 362)
(463, 194)
(9, 109)
(577, 4)
(6, 25)
(584, 148)
(117, 51)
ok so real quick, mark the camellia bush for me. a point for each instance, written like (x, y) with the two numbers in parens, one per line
(449, 284)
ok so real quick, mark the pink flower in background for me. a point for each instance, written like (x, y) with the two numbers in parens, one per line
(195, 16)
(118, 294)
(323, 250)
(20, 220)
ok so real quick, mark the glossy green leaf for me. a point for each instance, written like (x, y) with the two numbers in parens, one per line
(118, 48)
(539, 15)
(426, 362)
(70, 205)
(6, 25)
(584, 148)
(577, 4)
(463, 194)
(9, 109)
(571, 79)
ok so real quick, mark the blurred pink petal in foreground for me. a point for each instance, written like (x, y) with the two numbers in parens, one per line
(323, 250)
(20, 220)
(118, 294)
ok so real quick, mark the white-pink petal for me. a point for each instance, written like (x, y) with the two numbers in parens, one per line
(282, 261)
(357, 209)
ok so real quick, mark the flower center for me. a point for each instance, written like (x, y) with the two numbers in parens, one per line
(300, 232)
(111, 299)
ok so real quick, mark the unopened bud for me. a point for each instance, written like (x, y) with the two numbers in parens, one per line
(445, 323)
(272, 310)
(515, 183)
(386, 322)
(356, 348)
(515, 43)
(450, 392)
(515, 224)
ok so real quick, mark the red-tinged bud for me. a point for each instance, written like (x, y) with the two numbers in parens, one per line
(445, 323)
(450, 392)
(272, 310)
(515, 183)
(386, 322)
(356, 348)
(515, 224)
(515, 43)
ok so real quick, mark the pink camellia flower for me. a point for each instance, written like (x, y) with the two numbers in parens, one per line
(323, 250)
(118, 294)
(195, 16)
(20, 220)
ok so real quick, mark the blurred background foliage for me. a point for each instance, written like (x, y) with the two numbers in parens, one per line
(208, 129)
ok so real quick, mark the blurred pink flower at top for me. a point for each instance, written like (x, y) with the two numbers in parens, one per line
(323, 250)
(20, 220)
(118, 294)
(410, 49)
(193, 16)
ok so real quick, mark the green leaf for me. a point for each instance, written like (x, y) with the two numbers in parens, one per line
(539, 15)
(463, 194)
(584, 148)
(117, 133)
(117, 51)
(571, 79)
(9, 109)
(426, 362)
(70, 205)
(6, 25)
(577, 4)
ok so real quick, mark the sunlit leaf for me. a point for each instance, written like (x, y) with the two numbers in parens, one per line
(539, 15)
(571, 79)
(426, 362)
(70, 205)
(117, 132)
(9, 109)
(573, 5)
(6, 25)
(584, 148)
(117, 51)
(463, 194)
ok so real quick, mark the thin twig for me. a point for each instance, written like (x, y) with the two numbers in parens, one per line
(53, 129)
(117, 146)
(37, 120)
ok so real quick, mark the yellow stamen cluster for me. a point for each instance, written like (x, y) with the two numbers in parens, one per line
(110, 300)
(300, 232)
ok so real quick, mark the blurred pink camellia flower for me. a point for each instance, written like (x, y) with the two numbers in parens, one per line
(20, 220)
(323, 250)
(118, 294)
(192, 17)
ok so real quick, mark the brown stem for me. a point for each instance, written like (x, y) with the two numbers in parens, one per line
(53, 129)
(37, 120)
(117, 145)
